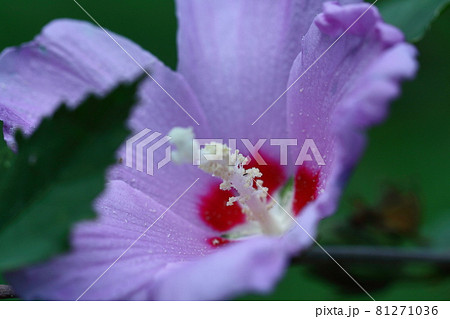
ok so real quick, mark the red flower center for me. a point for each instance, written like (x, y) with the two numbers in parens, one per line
(305, 188)
(222, 218)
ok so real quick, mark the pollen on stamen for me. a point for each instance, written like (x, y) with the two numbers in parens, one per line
(229, 166)
(247, 196)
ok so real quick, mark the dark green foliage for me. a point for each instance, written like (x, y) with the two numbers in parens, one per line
(56, 174)
(413, 17)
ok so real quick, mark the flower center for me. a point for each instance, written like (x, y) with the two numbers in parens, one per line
(251, 195)
(241, 191)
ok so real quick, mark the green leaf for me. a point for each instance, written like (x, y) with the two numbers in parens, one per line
(56, 175)
(437, 232)
(413, 17)
(6, 155)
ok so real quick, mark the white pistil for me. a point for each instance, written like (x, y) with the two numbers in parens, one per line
(183, 139)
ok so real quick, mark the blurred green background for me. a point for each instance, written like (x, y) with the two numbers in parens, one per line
(409, 152)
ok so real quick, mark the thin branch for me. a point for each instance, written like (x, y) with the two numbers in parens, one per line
(6, 292)
(374, 254)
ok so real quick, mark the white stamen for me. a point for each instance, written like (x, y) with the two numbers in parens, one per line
(219, 160)
(230, 168)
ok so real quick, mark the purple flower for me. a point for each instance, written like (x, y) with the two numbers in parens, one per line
(235, 59)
